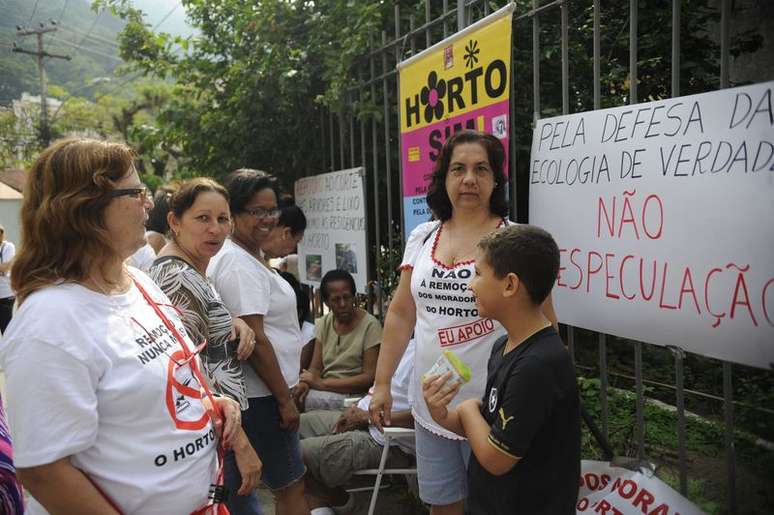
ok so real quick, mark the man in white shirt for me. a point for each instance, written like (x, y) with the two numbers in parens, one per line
(335, 444)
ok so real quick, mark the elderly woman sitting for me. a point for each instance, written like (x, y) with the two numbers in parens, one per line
(346, 347)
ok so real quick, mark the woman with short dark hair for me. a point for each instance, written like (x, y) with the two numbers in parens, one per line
(467, 197)
(255, 292)
(346, 347)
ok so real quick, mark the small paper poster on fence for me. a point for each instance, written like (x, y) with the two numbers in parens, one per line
(335, 236)
(664, 215)
(619, 491)
(461, 82)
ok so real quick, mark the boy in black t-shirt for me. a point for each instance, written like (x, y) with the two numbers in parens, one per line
(525, 434)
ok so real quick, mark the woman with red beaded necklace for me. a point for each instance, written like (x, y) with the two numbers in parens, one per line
(467, 194)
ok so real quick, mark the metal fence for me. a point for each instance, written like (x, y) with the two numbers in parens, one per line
(371, 140)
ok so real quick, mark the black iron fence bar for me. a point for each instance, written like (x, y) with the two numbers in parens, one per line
(633, 50)
(680, 398)
(461, 22)
(596, 58)
(535, 62)
(603, 383)
(398, 55)
(387, 153)
(341, 140)
(728, 409)
(565, 8)
(332, 144)
(445, 13)
(639, 401)
(725, 14)
(426, 26)
(375, 173)
(351, 140)
(675, 48)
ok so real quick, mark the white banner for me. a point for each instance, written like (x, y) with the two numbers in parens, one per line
(618, 491)
(335, 236)
(664, 214)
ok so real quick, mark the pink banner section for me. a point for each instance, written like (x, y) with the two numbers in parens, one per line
(421, 147)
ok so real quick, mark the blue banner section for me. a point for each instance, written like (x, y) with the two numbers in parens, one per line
(415, 212)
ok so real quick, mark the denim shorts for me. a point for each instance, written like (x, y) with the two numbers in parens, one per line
(279, 450)
(442, 468)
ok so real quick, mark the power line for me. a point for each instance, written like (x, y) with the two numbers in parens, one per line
(86, 49)
(34, 10)
(61, 14)
(94, 24)
(166, 16)
(92, 36)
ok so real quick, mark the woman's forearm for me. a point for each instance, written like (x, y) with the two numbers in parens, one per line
(63, 489)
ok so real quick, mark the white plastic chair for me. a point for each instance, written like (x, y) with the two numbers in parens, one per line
(390, 433)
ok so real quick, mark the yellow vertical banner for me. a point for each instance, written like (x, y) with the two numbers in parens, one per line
(462, 82)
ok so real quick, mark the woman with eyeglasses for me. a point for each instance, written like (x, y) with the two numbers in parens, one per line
(106, 400)
(256, 293)
(346, 347)
(199, 221)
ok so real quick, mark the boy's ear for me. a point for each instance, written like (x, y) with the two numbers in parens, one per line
(512, 285)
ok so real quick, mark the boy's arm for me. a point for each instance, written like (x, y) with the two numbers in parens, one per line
(496, 461)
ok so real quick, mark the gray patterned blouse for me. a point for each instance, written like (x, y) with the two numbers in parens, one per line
(204, 316)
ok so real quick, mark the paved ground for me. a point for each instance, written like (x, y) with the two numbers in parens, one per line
(393, 500)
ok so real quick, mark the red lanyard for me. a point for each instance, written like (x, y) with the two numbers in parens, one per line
(212, 507)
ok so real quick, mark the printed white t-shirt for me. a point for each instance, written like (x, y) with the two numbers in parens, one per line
(90, 376)
(447, 319)
(247, 287)
(7, 252)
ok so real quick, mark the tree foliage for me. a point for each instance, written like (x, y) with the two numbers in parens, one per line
(250, 86)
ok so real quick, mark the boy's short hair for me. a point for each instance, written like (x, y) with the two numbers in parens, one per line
(527, 251)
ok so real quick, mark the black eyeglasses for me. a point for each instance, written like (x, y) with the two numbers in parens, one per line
(138, 193)
(263, 212)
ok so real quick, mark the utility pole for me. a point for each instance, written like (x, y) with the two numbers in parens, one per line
(45, 133)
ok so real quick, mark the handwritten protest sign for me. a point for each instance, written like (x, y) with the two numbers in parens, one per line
(335, 237)
(459, 83)
(664, 215)
(611, 490)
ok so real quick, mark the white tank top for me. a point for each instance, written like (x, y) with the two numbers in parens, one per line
(447, 319)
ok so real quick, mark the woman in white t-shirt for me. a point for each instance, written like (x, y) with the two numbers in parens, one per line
(256, 293)
(7, 252)
(467, 194)
(106, 402)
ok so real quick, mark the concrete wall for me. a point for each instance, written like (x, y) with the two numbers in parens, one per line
(9, 217)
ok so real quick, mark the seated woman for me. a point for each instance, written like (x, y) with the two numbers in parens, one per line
(346, 347)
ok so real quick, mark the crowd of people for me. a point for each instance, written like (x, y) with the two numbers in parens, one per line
(171, 368)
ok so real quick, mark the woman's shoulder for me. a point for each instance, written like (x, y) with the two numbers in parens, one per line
(423, 229)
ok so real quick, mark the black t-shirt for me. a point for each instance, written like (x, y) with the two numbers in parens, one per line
(531, 403)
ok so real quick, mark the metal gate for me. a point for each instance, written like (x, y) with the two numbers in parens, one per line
(371, 139)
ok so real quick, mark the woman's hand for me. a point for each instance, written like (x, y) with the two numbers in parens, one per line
(248, 463)
(380, 408)
(300, 392)
(289, 417)
(228, 426)
(311, 378)
(246, 338)
(438, 394)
